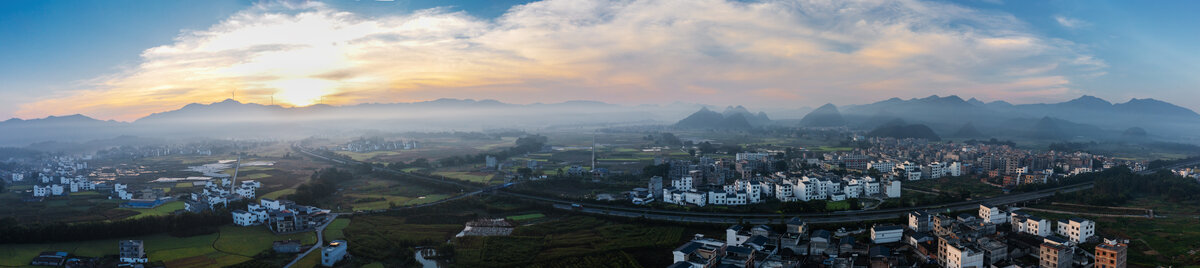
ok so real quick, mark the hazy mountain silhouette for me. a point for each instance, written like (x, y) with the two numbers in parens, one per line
(825, 116)
(708, 119)
(758, 119)
(968, 130)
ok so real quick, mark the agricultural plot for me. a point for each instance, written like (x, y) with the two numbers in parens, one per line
(232, 245)
(164, 209)
(955, 186)
(335, 229)
(571, 237)
(1169, 240)
(251, 240)
(466, 176)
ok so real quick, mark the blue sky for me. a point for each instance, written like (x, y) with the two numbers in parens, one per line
(60, 57)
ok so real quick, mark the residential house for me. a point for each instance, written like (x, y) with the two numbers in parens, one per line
(333, 253)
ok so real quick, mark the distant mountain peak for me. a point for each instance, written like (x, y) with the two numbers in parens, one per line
(1089, 100)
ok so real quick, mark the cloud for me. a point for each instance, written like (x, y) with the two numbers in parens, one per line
(769, 53)
(1070, 23)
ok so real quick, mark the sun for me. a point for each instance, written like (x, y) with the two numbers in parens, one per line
(304, 91)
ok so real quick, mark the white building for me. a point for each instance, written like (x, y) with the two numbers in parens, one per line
(18, 177)
(992, 215)
(892, 189)
(881, 234)
(954, 170)
(1076, 229)
(333, 253)
(909, 171)
(682, 184)
(920, 221)
(1025, 223)
(57, 189)
(936, 170)
(39, 191)
(882, 166)
(695, 198)
(960, 256)
(244, 218)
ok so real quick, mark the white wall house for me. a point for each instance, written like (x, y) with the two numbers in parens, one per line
(992, 215)
(1076, 229)
(960, 256)
(39, 191)
(881, 234)
(333, 253)
(244, 218)
(892, 189)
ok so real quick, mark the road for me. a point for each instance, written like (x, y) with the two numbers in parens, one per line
(756, 218)
(320, 241)
(768, 218)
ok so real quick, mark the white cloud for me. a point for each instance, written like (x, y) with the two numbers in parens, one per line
(770, 53)
(1071, 23)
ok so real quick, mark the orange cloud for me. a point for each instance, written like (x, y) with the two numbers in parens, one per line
(715, 51)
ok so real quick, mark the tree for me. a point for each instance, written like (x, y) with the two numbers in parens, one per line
(525, 172)
(657, 170)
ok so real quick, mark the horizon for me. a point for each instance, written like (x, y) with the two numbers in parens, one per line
(703, 106)
(628, 53)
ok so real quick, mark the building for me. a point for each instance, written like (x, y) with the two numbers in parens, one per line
(133, 251)
(286, 246)
(1025, 223)
(881, 234)
(1054, 255)
(50, 258)
(920, 221)
(490, 161)
(1076, 229)
(1111, 254)
(333, 253)
(992, 215)
(959, 255)
(656, 186)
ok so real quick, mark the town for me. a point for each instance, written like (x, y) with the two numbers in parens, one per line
(599, 133)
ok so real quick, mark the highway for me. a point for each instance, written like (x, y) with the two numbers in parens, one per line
(754, 218)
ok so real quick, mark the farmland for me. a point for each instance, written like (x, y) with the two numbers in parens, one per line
(1169, 239)
(231, 245)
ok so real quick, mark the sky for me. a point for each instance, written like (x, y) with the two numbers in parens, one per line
(122, 60)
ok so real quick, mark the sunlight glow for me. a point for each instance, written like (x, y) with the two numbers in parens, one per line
(304, 91)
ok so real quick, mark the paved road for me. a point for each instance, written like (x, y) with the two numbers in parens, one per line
(757, 218)
(320, 241)
(768, 218)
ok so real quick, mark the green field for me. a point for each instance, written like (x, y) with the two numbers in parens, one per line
(386, 203)
(526, 217)
(164, 209)
(278, 194)
(366, 156)
(232, 245)
(955, 186)
(335, 228)
(1169, 240)
(466, 176)
(837, 205)
(249, 240)
(183, 185)
(569, 238)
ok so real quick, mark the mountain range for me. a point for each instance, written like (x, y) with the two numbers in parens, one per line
(950, 116)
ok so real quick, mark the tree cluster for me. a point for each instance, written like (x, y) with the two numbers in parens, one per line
(1118, 185)
(323, 184)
